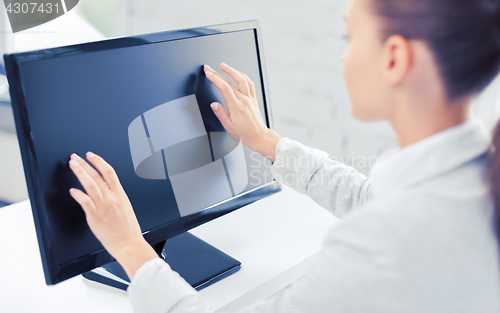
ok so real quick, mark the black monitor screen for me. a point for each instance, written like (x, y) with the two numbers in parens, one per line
(143, 104)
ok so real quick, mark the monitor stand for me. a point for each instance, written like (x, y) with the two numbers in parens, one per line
(199, 263)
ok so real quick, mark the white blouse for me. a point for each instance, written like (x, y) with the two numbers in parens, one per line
(418, 235)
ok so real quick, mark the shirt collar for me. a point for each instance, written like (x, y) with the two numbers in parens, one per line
(434, 155)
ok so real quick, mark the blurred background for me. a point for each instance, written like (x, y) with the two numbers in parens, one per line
(302, 45)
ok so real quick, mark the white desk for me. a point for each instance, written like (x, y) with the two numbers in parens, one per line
(275, 239)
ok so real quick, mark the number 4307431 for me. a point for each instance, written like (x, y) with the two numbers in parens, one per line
(32, 8)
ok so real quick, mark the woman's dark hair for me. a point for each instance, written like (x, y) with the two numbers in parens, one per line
(464, 36)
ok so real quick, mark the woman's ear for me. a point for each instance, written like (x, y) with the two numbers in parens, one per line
(397, 59)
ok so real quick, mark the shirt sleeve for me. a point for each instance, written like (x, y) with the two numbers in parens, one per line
(355, 264)
(333, 185)
(156, 288)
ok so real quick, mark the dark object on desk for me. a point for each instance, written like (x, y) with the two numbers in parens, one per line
(105, 97)
(199, 263)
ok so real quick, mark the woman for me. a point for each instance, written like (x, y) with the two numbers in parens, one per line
(419, 234)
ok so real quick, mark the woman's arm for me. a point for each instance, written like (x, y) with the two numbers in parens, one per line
(336, 187)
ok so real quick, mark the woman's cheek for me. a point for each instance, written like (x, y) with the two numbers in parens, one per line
(352, 79)
(363, 84)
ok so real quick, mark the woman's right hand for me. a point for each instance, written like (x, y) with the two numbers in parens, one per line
(243, 117)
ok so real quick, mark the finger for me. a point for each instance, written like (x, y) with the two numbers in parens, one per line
(106, 170)
(251, 85)
(236, 92)
(92, 172)
(207, 68)
(222, 115)
(84, 200)
(87, 182)
(238, 78)
(227, 91)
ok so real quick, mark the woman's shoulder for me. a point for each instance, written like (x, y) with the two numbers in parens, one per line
(424, 219)
(409, 241)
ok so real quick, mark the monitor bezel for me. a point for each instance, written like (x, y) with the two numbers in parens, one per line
(55, 273)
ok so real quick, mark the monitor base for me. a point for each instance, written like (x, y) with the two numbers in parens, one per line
(199, 263)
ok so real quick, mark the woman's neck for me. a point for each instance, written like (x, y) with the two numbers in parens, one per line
(413, 122)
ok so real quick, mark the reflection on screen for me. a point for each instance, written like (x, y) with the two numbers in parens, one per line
(204, 168)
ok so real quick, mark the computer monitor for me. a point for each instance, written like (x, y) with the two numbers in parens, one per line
(143, 104)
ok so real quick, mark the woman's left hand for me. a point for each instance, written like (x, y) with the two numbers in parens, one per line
(109, 212)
